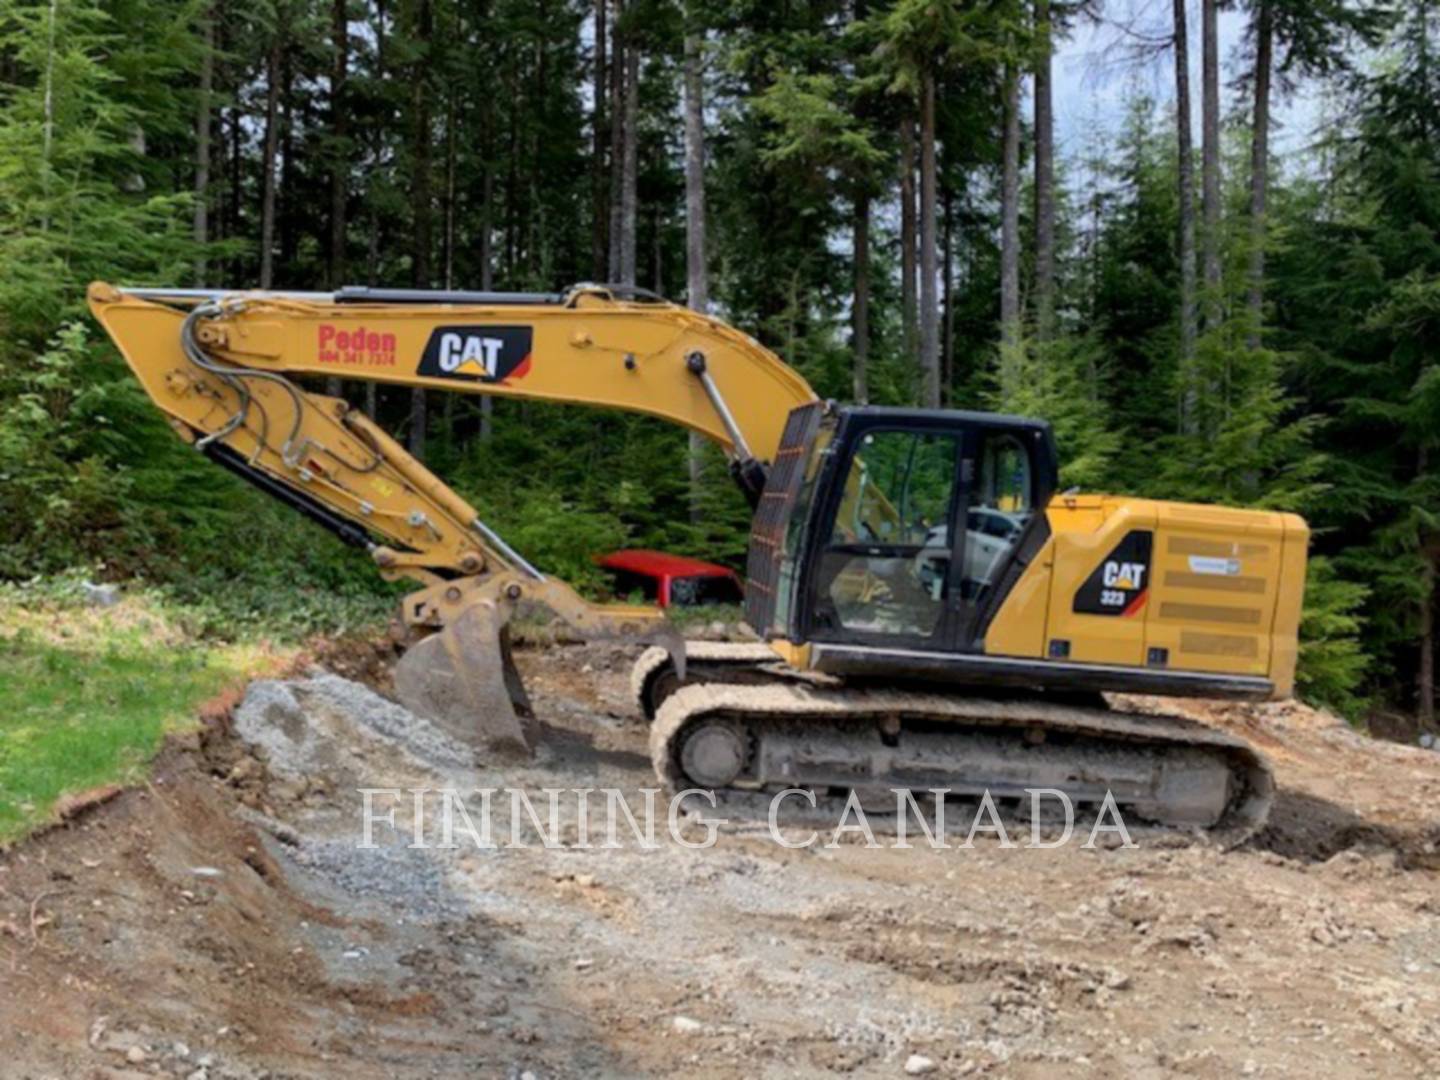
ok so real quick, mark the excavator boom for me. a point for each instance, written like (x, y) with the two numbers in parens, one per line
(221, 365)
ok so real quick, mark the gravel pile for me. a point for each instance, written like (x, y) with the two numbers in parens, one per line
(303, 725)
(382, 716)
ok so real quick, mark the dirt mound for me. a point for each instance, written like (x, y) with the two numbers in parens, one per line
(1339, 788)
(162, 898)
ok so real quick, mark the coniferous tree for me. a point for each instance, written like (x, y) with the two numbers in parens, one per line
(1185, 186)
(1044, 174)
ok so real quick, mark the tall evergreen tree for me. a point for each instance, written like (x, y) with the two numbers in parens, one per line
(1044, 172)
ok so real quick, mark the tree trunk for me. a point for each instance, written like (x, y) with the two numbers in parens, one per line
(215, 207)
(272, 138)
(1210, 160)
(1189, 393)
(907, 235)
(860, 306)
(1425, 672)
(1010, 220)
(237, 182)
(1044, 177)
(947, 297)
(452, 123)
(512, 188)
(486, 253)
(617, 140)
(423, 30)
(1259, 169)
(860, 310)
(487, 273)
(629, 177)
(1425, 669)
(697, 283)
(448, 239)
(697, 277)
(657, 248)
(447, 267)
(599, 232)
(536, 246)
(372, 248)
(339, 162)
(929, 268)
(47, 136)
(285, 193)
(203, 107)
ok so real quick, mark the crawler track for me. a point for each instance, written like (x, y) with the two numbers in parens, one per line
(1164, 770)
(652, 679)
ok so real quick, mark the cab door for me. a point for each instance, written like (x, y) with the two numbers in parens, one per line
(883, 555)
(922, 521)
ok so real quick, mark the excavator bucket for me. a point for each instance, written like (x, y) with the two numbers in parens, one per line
(463, 678)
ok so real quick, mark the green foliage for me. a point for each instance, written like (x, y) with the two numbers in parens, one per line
(1327, 406)
(920, 35)
(1333, 662)
(54, 488)
(814, 123)
(1249, 449)
(1064, 382)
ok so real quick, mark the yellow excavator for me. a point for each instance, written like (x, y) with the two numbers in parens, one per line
(933, 612)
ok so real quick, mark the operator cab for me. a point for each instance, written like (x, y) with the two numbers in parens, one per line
(897, 527)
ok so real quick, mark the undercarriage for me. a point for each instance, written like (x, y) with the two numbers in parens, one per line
(739, 721)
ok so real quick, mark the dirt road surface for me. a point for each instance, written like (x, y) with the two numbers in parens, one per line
(224, 922)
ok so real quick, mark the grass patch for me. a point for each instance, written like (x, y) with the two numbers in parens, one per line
(87, 694)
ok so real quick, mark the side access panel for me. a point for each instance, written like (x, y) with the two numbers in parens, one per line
(1217, 576)
(1100, 583)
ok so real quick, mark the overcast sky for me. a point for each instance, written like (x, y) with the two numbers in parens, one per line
(1095, 69)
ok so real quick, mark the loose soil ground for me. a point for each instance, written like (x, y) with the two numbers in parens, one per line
(221, 922)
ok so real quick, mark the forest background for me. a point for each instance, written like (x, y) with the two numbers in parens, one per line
(1207, 304)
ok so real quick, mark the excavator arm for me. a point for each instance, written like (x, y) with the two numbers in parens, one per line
(223, 367)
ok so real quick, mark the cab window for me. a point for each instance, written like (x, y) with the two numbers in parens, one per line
(796, 529)
(1005, 481)
(1000, 507)
(885, 566)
